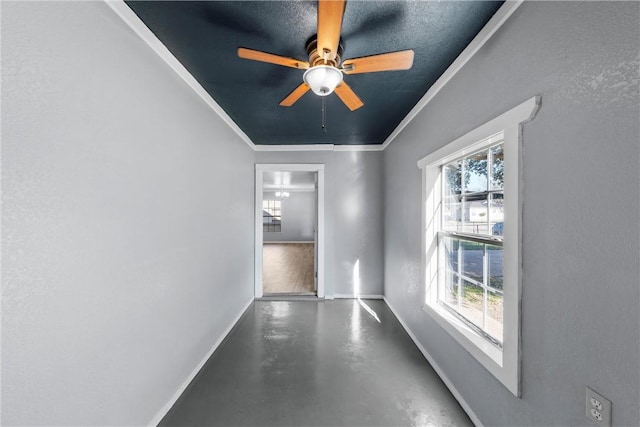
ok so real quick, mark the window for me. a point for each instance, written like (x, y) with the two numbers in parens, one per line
(471, 241)
(271, 216)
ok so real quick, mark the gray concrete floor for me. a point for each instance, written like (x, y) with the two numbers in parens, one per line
(306, 363)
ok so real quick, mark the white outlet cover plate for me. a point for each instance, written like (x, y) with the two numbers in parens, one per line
(598, 404)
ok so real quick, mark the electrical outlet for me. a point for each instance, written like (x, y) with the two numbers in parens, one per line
(598, 408)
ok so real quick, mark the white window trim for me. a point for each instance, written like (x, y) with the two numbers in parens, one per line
(503, 364)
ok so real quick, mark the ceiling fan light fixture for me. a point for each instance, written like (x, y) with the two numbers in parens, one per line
(282, 194)
(322, 79)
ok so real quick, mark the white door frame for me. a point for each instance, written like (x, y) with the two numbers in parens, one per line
(260, 169)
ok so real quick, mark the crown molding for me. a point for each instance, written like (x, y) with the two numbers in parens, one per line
(498, 19)
(318, 147)
(370, 147)
(297, 147)
(135, 23)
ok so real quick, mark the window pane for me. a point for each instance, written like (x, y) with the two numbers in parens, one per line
(271, 216)
(452, 214)
(476, 214)
(475, 172)
(472, 282)
(472, 254)
(494, 315)
(471, 304)
(451, 249)
(451, 289)
(497, 168)
(496, 212)
(494, 254)
(494, 294)
(453, 178)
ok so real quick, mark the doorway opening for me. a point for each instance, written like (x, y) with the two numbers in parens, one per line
(289, 244)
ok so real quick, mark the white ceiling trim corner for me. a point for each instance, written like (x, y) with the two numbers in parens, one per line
(299, 147)
(369, 147)
(135, 23)
(498, 19)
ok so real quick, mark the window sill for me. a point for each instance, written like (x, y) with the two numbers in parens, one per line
(479, 347)
(492, 358)
(486, 353)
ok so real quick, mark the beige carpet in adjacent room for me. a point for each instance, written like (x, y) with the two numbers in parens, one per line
(287, 268)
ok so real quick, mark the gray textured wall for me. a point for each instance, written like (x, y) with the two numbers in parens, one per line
(581, 293)
(353, 215)
(298, 217)
(124, 258)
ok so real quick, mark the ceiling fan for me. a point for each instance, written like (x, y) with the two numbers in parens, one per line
(325, 68)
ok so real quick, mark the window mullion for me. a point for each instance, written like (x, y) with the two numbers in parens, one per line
(484, 239)
(459, 275)
(489, 179)
(463, 189)
(485, 274)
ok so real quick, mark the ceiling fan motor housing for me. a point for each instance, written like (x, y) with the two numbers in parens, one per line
(315, 58)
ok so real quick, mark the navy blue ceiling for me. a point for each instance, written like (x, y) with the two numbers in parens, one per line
(204, 37)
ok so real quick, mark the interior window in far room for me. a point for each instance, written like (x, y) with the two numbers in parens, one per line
(272, 216)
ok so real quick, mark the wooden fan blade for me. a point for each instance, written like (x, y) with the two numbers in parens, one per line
(402, 60)
(329, 24)
(348, 96)
(295, 95)
(256, 55)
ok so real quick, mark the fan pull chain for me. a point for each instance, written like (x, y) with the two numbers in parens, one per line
(324, 115)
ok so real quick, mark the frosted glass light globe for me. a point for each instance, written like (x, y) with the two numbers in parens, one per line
(322, 79)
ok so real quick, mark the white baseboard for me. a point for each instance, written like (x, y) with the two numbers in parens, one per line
(474, 418)
(351, 296)
(165, 409)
